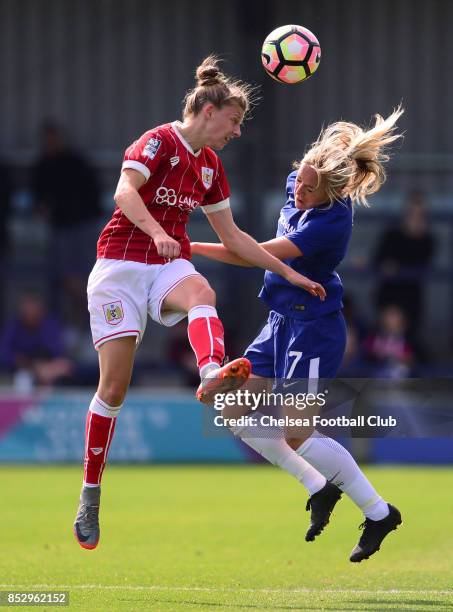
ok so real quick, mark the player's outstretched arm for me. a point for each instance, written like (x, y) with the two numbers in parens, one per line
(218, 252)
(280, 248)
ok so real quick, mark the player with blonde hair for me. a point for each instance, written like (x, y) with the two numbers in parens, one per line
(348, 159)
(304, 337)
(143, 262)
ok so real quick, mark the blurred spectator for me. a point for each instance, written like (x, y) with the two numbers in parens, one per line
(5, 206)
(352, 364)
(353, 316)
(356, 332)
(66, 191)
(31, 346)
(388, 350)
(403, 256)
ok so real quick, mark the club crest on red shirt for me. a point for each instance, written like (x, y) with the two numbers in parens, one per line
(207, 176)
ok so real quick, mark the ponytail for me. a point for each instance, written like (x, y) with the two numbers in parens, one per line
(349, 160)
(212, 85)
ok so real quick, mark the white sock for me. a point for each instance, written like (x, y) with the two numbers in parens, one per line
(271, 445)
(339, 467)
(203, 310)
(208, 370)
(98, 406)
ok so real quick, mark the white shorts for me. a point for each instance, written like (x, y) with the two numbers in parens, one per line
(121, 294)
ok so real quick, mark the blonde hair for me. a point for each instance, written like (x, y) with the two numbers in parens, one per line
(215, 87)
(349, 160)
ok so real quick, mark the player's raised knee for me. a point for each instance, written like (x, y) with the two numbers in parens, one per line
(113, 392)
(204, 294)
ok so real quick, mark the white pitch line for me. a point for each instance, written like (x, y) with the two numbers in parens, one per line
(153, 587)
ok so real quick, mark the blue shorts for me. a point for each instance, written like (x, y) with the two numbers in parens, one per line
(292, 348)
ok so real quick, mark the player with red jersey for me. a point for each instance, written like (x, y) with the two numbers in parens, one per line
(143, 266)
(177, 181)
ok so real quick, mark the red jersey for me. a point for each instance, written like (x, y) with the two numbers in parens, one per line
(177, 181)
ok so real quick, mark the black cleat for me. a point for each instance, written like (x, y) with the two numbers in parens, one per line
(321, 504)
(373, 534)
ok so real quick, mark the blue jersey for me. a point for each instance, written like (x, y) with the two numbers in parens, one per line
(322, 234)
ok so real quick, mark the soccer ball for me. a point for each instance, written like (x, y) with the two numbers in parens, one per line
(291, 54)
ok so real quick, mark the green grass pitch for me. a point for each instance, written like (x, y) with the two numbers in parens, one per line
(223, 537)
